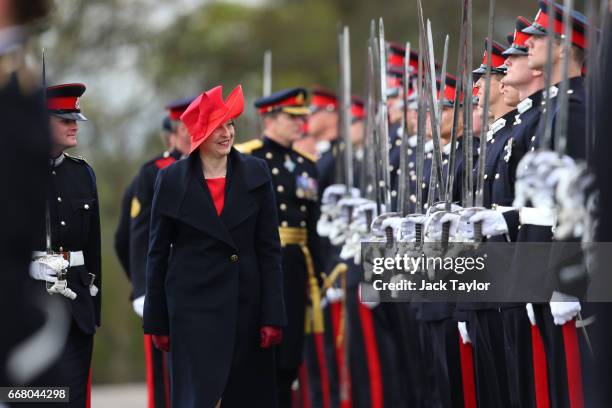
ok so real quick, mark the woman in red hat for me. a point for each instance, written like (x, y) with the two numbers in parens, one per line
(214, 295)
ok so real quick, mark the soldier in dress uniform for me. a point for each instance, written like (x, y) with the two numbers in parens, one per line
(25, 142)
(178, 144)
(122, 233)
(516, 325)
(483, 320)
(294, 176)
(323, 125)
(67, 261)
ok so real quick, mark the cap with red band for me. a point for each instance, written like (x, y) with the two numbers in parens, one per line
(497, 60)
(177, 108)
(291, 101)
(518, 47)
(396, 55)
(357, 109)
(63, 101)
(449, 91)
(323, 99)
(539, 26)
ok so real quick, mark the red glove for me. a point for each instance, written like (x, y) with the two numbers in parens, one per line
(161, 342)
(270, 336)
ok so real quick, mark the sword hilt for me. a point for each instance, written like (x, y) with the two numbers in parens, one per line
(445, 234)
(478, 231)
(418, 233)
(389, 234)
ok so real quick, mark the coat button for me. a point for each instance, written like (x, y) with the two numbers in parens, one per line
(59, 199)
(280, 189)
(234, 258)
(63, 223)
(275, 171)
(86, 206)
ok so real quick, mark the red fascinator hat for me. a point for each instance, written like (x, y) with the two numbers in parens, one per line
(209, 111)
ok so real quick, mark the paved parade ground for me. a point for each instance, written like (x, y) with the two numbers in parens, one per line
(119, 395)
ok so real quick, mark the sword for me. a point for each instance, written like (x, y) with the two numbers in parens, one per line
(482, 157)
(468, 139)
(563, 98)
(370, 140)
(345, 106)
(383, 116)
(404, 181)
(420, 156)
(456, 106)
(483, 144)
(431, 93)
(547, 116)
(267, 73)
(48, 247)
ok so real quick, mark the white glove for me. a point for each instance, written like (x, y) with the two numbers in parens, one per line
(564, 308)
(334, 295)
(465, 337)
(323, 226)
(334, 192)
(530, 314)
(138, 305)
(493, 222)
(47, 267)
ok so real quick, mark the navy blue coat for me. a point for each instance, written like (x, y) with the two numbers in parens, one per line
(213, 281)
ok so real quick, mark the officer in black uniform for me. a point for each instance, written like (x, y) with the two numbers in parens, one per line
(67, 261)
(178, 143)
(294, 175)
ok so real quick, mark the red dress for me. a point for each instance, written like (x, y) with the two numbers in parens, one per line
(216, 186)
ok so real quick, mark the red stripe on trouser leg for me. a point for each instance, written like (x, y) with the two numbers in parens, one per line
(304, 387)
(372, 357)
(148, 351)
(166, 378)
(343, 373)
(540, 370)
(88, 396)
(467, 374)
(320, 350)
(572, 364)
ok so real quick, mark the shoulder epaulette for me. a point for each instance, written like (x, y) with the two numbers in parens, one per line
(249, 147)
(306, 155)
(78, 159)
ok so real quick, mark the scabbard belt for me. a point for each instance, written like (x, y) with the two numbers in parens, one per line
(314, 314)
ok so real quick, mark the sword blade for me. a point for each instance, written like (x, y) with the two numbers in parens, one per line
(382, 117)
(404, 181)
(547, 116)
(482, 157)
(267, 73)
(563, 98)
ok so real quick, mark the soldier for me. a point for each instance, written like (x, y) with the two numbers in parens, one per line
(294, 176)
(122, 234)
(68, 259)
(516, 325)
(178, 144)
(323, 125)
(24, 173)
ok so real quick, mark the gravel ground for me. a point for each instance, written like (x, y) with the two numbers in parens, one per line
(119, 396)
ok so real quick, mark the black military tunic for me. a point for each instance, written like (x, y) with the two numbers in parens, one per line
(294, 176)
(122, 233)
(75, 226)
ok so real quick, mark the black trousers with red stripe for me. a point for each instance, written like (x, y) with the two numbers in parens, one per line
(72, 370)
(158, 379)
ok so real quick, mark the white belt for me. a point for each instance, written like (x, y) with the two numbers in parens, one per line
(75, 258)
(538, 216)
(503, 209)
